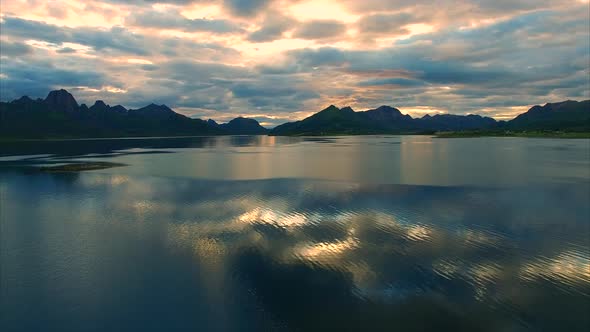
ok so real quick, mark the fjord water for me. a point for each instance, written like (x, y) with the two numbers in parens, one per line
(251, 233)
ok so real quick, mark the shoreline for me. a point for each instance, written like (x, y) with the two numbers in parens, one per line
(524, 134)
(449, 134)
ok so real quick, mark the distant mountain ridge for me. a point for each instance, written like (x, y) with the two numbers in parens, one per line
(384, 119)
(564, 116)
(59, 115)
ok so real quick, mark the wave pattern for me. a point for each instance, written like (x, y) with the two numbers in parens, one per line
(311, 254)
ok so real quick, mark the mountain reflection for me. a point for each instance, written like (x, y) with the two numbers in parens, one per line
(415, 160)
(317, 255)
(105, 146)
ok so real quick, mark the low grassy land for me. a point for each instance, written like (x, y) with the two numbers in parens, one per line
(547, 134)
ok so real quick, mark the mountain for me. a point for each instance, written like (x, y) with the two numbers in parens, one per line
(564, 116)
(244, 126)
(59, 115)
(382, 120)
(567, 115)
(328, 121)
(63, 100)
(452, 122)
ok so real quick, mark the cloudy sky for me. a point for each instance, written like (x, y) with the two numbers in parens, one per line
(281, 60)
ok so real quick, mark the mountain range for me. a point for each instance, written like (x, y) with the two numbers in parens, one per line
(60, 116)
(564, 116)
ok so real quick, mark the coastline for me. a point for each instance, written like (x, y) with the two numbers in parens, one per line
(442, 134)
(524, 134)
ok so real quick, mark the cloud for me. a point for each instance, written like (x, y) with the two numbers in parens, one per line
(171, 19)
(116, 38)
(272, 88)
(374, 26)
(66, 50)
(14, 49)
(385, 23)
(188, 70)
(277, 60)
(39, 77)
(149, 67)
(56, 10)
(320, 29)
(475, 7)
(464, 70)
(404, 82)
(246, 8)
(428, 56)
(153, 2)
(273, 27)
(324, 56)
(113, 41)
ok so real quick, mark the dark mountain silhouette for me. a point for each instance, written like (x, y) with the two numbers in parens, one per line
(59, 115)
(99, 106)
(448, 122)
(384, 119)
(570, 114)
(62, 100)
(564, 116)
(244, 126)
(329, 120)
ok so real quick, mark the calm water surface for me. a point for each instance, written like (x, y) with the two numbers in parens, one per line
(256, 233)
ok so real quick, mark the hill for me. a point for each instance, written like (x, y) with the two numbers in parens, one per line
(241, 126)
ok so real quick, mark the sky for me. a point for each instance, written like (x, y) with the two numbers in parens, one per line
(282, 60)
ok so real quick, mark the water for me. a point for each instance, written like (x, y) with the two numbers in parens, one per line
(252, 233)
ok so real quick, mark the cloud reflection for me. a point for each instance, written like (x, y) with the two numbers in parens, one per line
(392, 248)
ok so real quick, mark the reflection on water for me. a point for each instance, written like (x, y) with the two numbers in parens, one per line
(107, 146)
(118, 251)
(417, 160)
